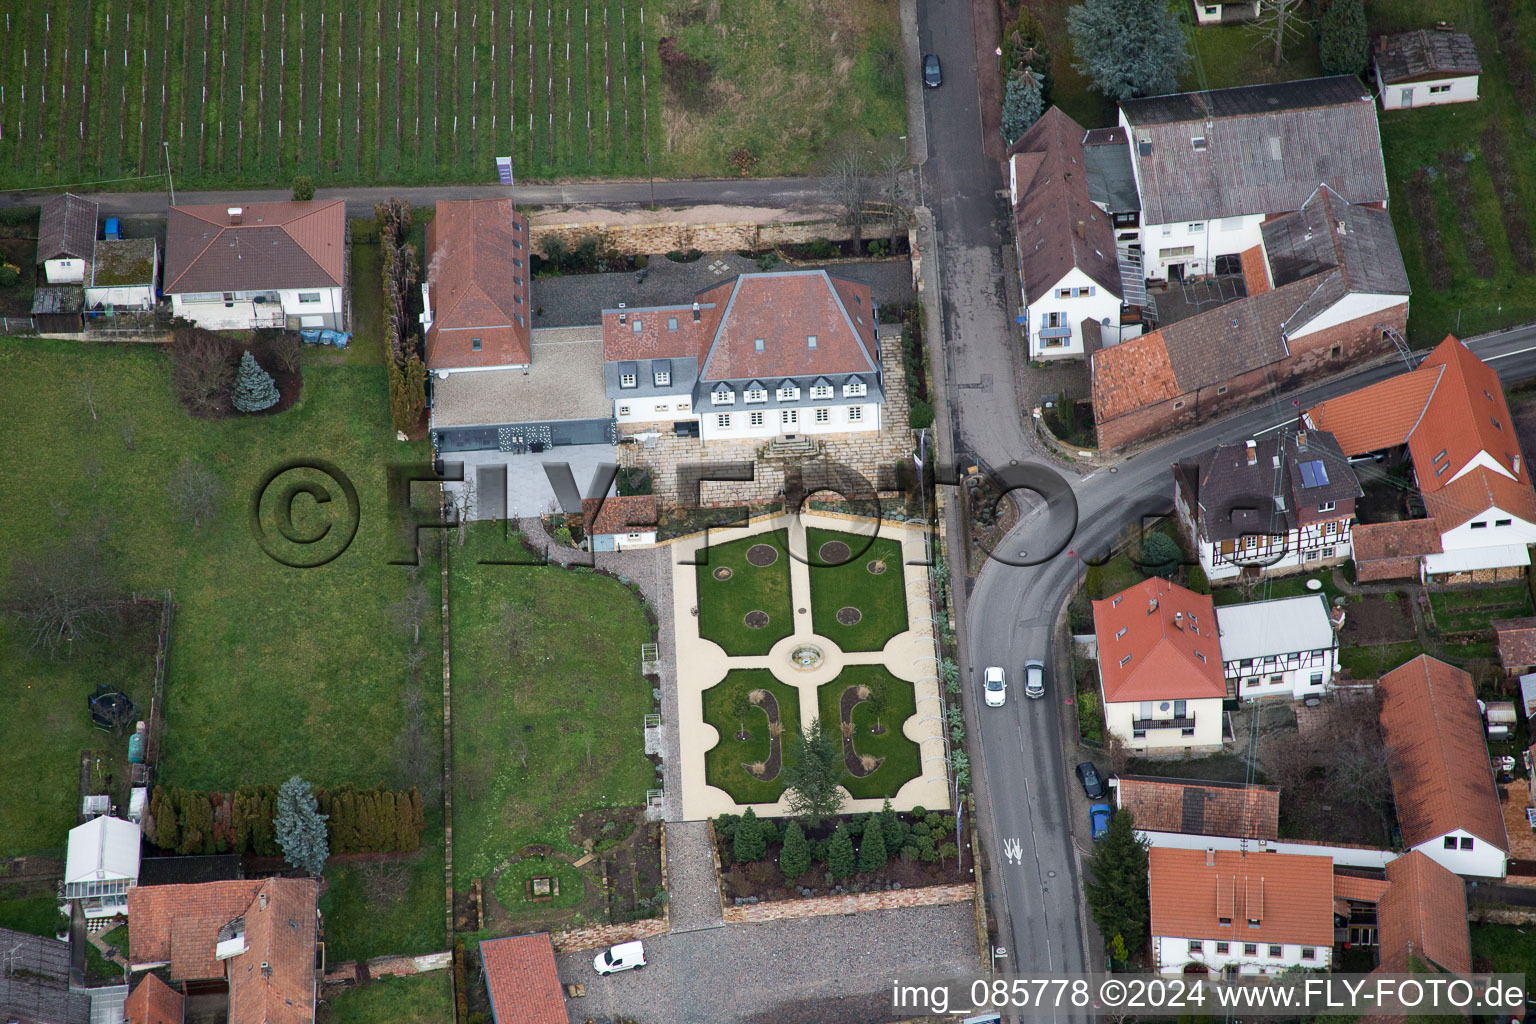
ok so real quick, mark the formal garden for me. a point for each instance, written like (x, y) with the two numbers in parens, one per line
(858, 598)
(745, 604)
(869, 707)
(756, 717)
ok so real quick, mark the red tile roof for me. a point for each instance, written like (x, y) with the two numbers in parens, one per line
(478, 285)
(784, 310)
(1441, 777)
(1158, 641)
(275, 246)
(654, 339)
(1466, 414)
(1377, 416)
(1201, 808)
(522, 981)
(1131, 375)
(1517, 641)
(1404, 538)
(1255, 271)
(179, 924)
(1474, 493)
(1363, 890)
(273, 981)
(619, 513)
(1424, 913)
(154, 1002)
(1289, 895)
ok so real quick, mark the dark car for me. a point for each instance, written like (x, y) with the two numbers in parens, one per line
(1088, 775)
(932, 78)
(1098, 814)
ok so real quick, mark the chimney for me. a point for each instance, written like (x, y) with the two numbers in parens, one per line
(1301, 440)
(1253, 453)
(1178, 620)
(1079, 229)
(261, 899)
(1210, 856)
(695, 312)
(623, 316)
(266, 969)
(1152, 606)
(1514, 463)
(235, 213)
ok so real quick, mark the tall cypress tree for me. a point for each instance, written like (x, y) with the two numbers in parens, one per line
(795, 855)
(748, 845)
(840, 857)
(389, 823)
(872, 853)
(1117, 883)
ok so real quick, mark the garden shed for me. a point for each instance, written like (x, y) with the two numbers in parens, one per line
(102, 865)
(58, 310)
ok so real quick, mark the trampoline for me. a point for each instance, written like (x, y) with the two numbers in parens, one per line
(110, 708)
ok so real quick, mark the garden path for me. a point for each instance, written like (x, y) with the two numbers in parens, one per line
(693, 891)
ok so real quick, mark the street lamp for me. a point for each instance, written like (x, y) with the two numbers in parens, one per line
(999, 52)
(170, 183)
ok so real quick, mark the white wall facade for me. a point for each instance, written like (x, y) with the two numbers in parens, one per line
(1086, 300)
(1295, 674)
(1194, 245)
(1303, 551)
(1236, 953)
(654, 409)
(64, 271)
(1119, 717)
(1462, 89)
(1350, 856)
(319, 307)
(1353, 306)
(743, 421)
(139, 297)
(1470, 856)
(1498, 529)
(1210, 14)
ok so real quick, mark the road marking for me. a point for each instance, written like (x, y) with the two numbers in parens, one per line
(1506, 355)
(1013, 849)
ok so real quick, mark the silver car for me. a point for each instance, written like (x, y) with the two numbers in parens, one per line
(1034, 679)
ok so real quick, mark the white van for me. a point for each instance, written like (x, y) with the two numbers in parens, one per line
(623, 957)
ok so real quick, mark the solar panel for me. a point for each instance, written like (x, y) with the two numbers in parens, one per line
(1314, 473)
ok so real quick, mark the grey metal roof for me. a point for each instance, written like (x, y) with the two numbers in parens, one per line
(1415, 56)
(1266, 149)
(1236, 499)
(58, 299)
(682, 374)
(1111, 180)
(34, 981)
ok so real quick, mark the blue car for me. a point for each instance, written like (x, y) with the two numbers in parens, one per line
(932, 76)
(1099, 815)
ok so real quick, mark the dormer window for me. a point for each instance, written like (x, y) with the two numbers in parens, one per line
(854, 389)
(821, 391)
(1198, 143)
(723, 396)
(1125, 661)
(788, 392)
(756, 393)
(627, 380)
(662, 377)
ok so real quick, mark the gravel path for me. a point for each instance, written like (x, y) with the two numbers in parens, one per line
(819, 970)
(695, 901)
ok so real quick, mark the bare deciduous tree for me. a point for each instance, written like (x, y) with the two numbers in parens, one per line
(195, 492)
(848, 178)
(408, 612)
(1279, 23)
(386, 882)
(893, 187)
(62, 592)
(60, 511)
(205, 372)
(91, 469)
(128, 431)
(88, 392)
(518, 748)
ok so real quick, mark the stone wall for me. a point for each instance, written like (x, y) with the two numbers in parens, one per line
(852, 903)
(1480, 914)
(399, 966)
(872, 453)
(725, 236)
(604, 935)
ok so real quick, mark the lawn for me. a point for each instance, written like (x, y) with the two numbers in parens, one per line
(273, 671)
(784, 79)
(117, 937)
(1224, 56)
(367, 346)
(879, 597)
(37, 915)
(1274, 588)
(1371, 662)
(418, 999)
(725, 603)
(390, 908)
(512, 887)
(545, 661)
(902, 757)
(724, 763)
(1512, 950)
(1466, 611)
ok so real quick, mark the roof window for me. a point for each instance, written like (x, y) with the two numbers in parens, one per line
(810, 341)
(637, 328)
(1125, 661)
(757, 344)
(1198, 143)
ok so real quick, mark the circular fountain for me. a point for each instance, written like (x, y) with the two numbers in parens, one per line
(805, 657)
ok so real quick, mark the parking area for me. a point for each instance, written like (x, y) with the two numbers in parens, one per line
(819, 970)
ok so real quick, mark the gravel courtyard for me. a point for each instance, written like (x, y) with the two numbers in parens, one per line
(819, 970)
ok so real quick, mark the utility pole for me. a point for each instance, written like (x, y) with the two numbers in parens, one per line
(650, 176)
(170, 183)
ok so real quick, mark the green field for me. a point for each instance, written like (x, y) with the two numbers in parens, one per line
(419, 999)
(545, 661)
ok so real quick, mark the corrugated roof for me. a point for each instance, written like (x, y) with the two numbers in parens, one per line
(1412, 56)
(1424, 914)
(479, 285)
(35, 988)
(66, 227)
(1266, 148)
(1441, 777)
(1284, 625)
(102, 845)
(1157, 641)
(1201, 808)
(1056, 225)
(275, 246)
(1288, 895)
(521, 978)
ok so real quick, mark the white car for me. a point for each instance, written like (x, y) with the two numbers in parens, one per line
(994, 687)
(1034, 679)
(623, 957)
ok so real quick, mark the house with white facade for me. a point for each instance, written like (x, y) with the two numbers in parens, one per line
(762, 356)
(1238, 13)
(1442, 780)
(619, 522)
(1211, 167)
(1160, 674)
(259, 265)
(1237, 914)
(1282, 648)
(1425, 69)
(102, 865)
(1451, 415)
(1072, 277)
(123, 275)
(66, 238)
(1282, 503)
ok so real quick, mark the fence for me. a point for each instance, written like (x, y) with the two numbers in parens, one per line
(17, 325)
(157, 700)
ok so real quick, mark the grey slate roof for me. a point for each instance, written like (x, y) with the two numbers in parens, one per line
(1330, 234)
(1056, 225)
(34, 981)
(1422, 55)
(1111, 180)
(66, 227)
(1235, 498)
(1267, 148)
(1216, 346)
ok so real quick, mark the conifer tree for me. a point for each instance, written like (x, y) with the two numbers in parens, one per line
(749, 845)
(840, 856)
(300, 827)
(255, 389)
(795, 856)
(872, 853)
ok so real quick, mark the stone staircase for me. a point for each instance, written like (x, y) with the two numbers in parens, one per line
(785, 448)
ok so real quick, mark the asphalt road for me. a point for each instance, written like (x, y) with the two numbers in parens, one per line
(783, 193)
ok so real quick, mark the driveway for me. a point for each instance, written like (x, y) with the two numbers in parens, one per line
(819, 970)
